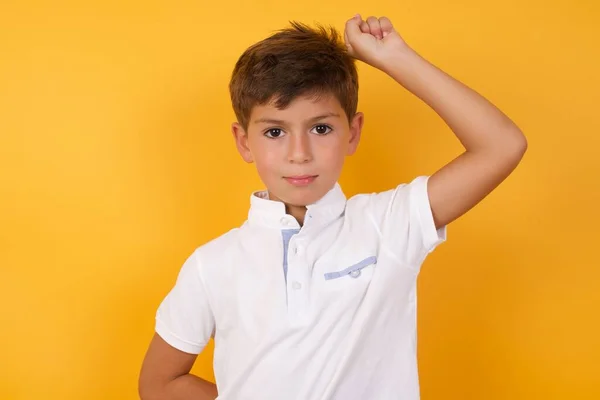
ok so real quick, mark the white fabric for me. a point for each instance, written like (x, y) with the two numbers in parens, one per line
(317, 334)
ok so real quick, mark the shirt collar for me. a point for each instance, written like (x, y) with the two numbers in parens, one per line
(272, 213)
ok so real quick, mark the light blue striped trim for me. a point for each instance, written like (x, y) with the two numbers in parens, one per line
(356, 267)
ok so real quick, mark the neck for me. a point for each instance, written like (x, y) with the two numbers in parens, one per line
(297, 212)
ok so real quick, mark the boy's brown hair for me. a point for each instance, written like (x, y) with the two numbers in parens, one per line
(293, 62)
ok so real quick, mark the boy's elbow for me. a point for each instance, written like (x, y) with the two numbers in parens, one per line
(521, 143)
(151, 394)
(514, 147)
(149, 389)
(147, 393)
(520, 146)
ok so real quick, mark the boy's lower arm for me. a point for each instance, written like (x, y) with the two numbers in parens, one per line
(477, 123)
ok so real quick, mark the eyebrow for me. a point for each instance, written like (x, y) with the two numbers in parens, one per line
(282, 122)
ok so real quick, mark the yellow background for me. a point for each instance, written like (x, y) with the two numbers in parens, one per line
(116, 161)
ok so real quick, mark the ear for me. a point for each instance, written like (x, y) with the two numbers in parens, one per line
(356, 126)
(241, 142)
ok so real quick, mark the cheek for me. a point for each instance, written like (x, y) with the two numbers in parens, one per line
(334, 152)
(265, 157)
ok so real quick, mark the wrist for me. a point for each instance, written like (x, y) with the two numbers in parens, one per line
(402, 64)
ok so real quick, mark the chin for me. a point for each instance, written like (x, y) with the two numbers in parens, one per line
(302, 197)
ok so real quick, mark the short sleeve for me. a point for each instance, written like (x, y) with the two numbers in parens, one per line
(405, 221)
(184, 318)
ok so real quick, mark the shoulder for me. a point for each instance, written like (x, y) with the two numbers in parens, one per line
(218, 246)
(380, 201)
(398, 205)
(215, 252)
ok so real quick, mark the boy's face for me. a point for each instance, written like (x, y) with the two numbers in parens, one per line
(299, 151)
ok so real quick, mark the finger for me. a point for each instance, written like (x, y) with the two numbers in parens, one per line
(364, 27)
(375, 27)
(386, 26)
(353, 26)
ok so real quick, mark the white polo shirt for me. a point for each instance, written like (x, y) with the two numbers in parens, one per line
(318, 312)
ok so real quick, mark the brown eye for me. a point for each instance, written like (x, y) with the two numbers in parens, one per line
(322, 129)
(274, 133)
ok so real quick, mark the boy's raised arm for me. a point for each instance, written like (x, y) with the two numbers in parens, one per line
(494, 145)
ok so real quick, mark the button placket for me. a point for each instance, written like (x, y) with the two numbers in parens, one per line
(298, 250)
(297, 277)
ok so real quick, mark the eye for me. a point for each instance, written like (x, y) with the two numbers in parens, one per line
(322, 129)
(274, 133)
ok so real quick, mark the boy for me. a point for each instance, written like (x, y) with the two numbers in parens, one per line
(313, 297)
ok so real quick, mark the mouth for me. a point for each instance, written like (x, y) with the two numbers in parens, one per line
(301, 180)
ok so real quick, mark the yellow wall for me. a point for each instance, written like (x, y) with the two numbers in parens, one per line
(115, 153)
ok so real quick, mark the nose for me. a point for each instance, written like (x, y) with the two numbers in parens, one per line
(299, 151)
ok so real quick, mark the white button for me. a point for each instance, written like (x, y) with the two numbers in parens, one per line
(298, 250)
(355, 273)
(284, 221)
(296, 285)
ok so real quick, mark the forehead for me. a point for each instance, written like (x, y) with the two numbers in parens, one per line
(301, 108)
